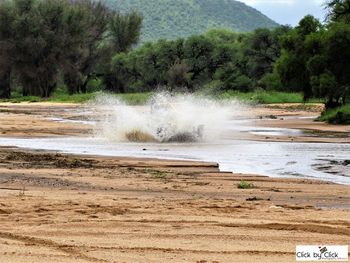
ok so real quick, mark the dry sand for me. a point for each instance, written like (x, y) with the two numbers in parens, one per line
(64, 208)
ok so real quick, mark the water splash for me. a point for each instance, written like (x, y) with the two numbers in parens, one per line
(164, 118)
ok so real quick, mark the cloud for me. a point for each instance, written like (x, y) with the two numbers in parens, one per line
(288, 11)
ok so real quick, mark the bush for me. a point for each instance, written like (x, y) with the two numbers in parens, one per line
(243, 83)
(271, 81)
(337, 116)
(245, 185)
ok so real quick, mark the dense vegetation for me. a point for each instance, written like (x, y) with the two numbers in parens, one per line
(80, 46)
(315, 59)
(43, 42)
(171, 19)
(219, 60)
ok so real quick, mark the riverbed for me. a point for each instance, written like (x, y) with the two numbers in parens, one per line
(244, 146)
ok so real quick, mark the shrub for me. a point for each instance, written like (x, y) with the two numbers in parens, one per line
(337, 116)
(245, 185)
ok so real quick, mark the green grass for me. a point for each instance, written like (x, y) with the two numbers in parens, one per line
(245, 185)
(256, 97)
(130, 98)
(75, 98)
(265, 97)
(337, 116)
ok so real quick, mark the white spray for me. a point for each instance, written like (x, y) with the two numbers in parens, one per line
(165, 118)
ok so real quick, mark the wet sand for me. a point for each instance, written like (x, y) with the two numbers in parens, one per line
(300, 117)
(65, 208)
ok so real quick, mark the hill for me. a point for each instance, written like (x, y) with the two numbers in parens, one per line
(170, 19)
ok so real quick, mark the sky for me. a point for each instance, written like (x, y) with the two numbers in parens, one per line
(288, 11)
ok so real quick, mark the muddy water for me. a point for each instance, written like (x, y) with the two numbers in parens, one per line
(323, 161)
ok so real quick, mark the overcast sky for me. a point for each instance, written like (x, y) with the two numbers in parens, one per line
(288, 11)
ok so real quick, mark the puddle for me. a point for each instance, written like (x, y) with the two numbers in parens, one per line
(65, 120)
(276, 132)
(244, 126)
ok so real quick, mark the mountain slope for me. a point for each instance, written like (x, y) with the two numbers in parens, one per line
(171, 19)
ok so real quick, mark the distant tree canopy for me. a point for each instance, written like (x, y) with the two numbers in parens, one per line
(220, 59)
(43, 40)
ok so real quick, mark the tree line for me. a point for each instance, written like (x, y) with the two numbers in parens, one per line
(218, 60)
(44, 42)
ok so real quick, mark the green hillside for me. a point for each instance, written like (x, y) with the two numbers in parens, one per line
(171, 19)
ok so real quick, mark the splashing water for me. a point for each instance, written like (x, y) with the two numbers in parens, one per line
(165, 118)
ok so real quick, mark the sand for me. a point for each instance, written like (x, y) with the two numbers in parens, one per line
(65, 208)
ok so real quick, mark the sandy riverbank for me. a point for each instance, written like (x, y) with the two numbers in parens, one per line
(64, 208)
(57, 208)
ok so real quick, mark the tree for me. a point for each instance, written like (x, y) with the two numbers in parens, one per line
(338, 10)
(7, 18)
(198, 53)
(292, 65)
(125, 73)
(261, 50)
(178, 75)
(149, 65)
(124, 31)
(43, 33)
(330, 68)
(82, 63)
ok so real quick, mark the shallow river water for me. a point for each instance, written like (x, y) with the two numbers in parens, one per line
(324, 161)
(221, 126)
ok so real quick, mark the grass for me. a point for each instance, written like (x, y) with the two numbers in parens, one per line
(245, 185)
(130, 98)
(75, 98)
(265, 97)
(256, 97)
(337, 116)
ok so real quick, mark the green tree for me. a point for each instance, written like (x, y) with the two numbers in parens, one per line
(82, 62)
(123, 33)
(198, 57)
(338, 10)
(330, 68)
(42, 33)
(292, 65)
(261, 50)
(177, 76)
(7, 18)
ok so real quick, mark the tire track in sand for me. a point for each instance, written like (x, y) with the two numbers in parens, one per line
(67, 249)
